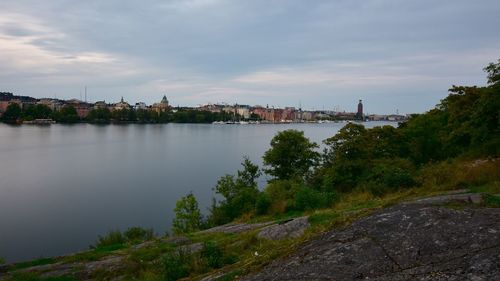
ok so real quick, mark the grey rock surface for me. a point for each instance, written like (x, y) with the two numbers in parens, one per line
(236, 227)
(110, 263)
(404, 242)
(191, 248)
(178, 240)
(289, 229)
(213, 277)
(475, 198)
(81, 270)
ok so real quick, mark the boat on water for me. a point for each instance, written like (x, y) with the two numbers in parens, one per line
(40, 122)
(235, 122)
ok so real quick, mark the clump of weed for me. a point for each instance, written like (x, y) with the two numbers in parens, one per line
(40, 261)
(133, 235)
(492, 200)
(30, 276)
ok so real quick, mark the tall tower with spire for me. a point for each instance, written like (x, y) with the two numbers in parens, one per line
(359, 115)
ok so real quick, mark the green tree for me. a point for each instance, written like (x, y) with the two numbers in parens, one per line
(250, 173)
(99, 115)
(291, 155)
(138, 234)
(350, 155)
(347, 143)
(144, 116)
(12, 113)
(123, 115)
(187, 215)
(67, 114)
(39, 111)
(425, 133)
(239, 193)
(493, 70)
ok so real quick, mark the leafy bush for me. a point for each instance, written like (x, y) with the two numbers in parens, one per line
(40, 261)
(213, 255)
(114, 237)
(281, 193)
(492, 200)
(388, 176)
(176, 265)
(376, 188)
(187, 215)
(308, 199)
(179, 263)
(281, 196)
(262, 204)
(138, 234)
(240, 194)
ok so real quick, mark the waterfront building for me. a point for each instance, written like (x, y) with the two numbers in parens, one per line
(162, 106)
(229, 109)
(3, 106)
(100, 105)
(377, 117)
(288, 114)
(82, 108)
(243, 111)
(265, 113)
(121, 105)
(396, 117)
(53, 104)
(140, 106)
(214, 108)
(346, 115)
(308, 116)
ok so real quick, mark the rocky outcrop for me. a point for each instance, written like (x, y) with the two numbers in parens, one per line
(292, 228)
(474, 198)
(236, 227)
(80, 270)
(420, 240)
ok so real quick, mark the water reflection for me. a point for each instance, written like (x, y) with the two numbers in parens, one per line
(61, 186)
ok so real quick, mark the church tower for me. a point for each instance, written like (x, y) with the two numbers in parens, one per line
(359, 115)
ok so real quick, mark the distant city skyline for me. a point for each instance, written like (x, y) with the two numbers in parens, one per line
(393, 55)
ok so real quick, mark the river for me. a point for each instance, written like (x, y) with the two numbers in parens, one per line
(62, 185)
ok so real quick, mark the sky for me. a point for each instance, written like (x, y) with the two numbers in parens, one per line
(397, 56)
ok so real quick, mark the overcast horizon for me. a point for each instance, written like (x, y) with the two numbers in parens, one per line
(394, 55)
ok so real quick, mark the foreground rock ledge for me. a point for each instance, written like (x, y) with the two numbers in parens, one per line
(405, 242)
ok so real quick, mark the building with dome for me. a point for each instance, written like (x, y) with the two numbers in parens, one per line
(161, 106)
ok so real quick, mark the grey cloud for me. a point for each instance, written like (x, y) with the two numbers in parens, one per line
(208, 44)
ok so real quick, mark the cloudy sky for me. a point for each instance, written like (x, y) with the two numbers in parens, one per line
(393, 54)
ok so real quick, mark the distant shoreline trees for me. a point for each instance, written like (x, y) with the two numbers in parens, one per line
(69, 115)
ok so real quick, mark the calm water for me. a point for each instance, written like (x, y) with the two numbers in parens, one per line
(61, 186)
